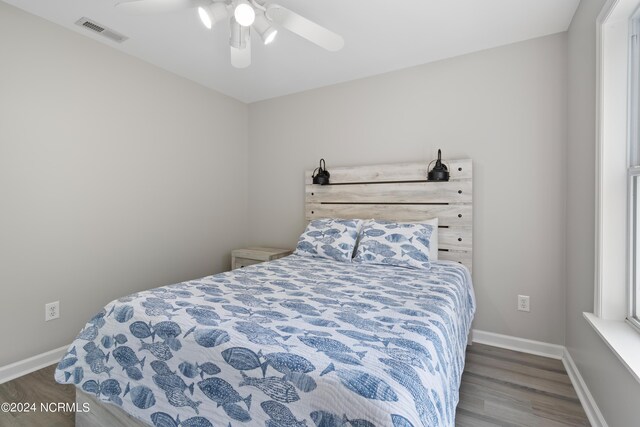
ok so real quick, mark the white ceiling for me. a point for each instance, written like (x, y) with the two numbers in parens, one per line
(380, 36)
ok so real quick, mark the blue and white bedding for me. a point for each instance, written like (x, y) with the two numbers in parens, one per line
(290, 343)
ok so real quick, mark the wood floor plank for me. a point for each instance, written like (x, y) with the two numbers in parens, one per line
(516, 356)
(552, 387)
(470, 402)
(499, 388)
(505, 381)
(477, 418)
(37, 387)
(465, 418)
(490, 389)
(514, 366)
(518, 416)
(573, 416)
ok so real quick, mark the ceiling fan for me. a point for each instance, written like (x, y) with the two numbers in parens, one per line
(244, 15)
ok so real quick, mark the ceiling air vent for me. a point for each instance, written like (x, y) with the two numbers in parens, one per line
(101, 29)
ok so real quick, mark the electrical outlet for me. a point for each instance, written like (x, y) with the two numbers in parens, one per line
(51, 311)
(523, 303)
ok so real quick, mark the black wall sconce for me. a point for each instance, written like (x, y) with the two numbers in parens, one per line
(439, 172)
(321, 174)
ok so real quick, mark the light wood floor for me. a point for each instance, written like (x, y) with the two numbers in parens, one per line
(499, 388)
(508, 388)
(37, 387)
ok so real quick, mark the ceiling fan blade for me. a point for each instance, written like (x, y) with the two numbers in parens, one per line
(147, 7)
(241, 58)
(304, 28)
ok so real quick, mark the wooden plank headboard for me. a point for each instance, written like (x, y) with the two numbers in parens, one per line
(400, 192)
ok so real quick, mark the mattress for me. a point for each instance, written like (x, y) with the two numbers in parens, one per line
(290, 343)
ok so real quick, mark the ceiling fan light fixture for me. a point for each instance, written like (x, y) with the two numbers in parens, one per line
(212, 14)
(270, 35)
(264, 28)
(244, 13)
(240, 35)
(205, 18)
(240, 44)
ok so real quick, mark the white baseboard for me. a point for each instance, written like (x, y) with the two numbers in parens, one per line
(26, 366)
(539, 348)
(553, 351)
(588, 402)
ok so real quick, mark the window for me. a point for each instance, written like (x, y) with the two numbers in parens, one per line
(634, 246)
(613, 207)
(616, 316)
(633, 183)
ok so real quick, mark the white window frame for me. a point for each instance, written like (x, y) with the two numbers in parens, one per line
(613, 266)
(633, 181)
(633, 222)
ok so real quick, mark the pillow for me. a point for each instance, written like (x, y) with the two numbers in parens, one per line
(403, 244)
(329, 238)
(433, 242)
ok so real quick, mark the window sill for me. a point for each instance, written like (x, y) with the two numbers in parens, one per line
(621, 338)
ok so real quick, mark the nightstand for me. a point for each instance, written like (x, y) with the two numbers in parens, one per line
(254, 255)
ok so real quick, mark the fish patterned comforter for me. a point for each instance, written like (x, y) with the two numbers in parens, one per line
(296, 342)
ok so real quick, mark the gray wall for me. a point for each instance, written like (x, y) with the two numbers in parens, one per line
(609, 381)
(506, 108)
(115, 176)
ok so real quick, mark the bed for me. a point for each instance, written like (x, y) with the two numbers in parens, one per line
(298, 341)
